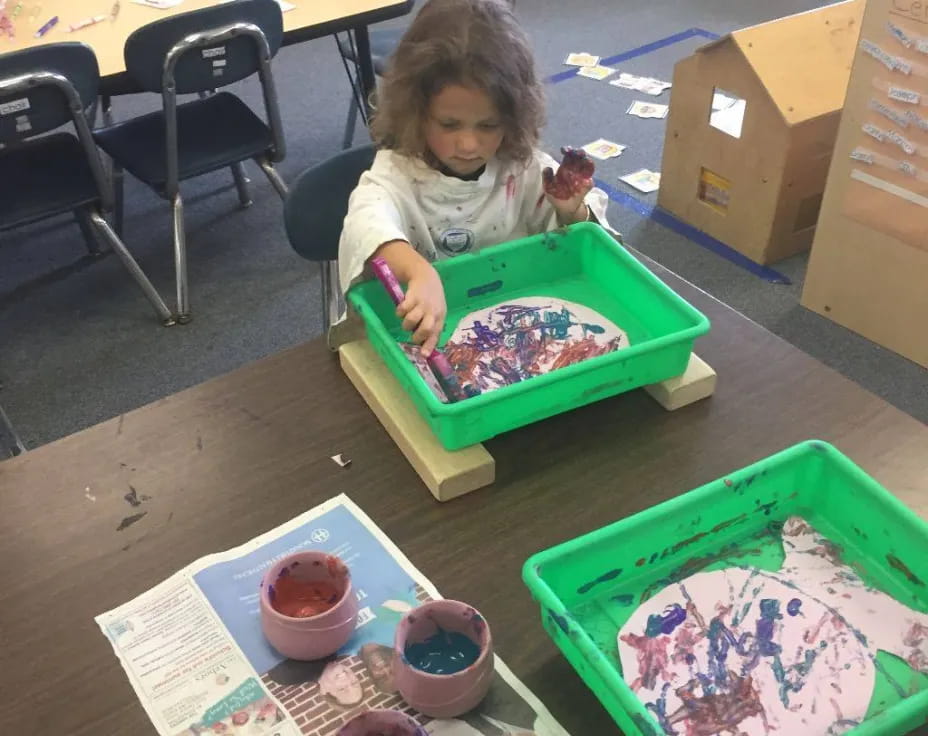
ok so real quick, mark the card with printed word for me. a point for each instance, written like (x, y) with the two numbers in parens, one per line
(644, 180)
(647, 85)
(647, 110)
(581, 58)
(603, 149)
(595, 72)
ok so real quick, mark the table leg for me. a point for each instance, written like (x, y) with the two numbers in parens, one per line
(365, 68)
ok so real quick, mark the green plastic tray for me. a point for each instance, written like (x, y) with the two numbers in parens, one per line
(715, 526)
(584, 265)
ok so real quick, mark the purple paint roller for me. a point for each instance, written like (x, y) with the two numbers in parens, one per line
(436, 360)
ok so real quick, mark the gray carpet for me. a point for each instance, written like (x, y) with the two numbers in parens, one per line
(79, 344)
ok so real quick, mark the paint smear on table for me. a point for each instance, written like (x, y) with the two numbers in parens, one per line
(746, 651)
(520, 339)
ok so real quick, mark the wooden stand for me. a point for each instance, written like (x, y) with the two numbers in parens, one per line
(451, 474)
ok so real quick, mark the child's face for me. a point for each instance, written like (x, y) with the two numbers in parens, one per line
(463, 129)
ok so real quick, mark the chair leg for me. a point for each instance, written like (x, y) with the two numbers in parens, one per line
(241, 184)
(104, 229)
(268, 168)
(351, 123)
(331, 304)
(118, 197)
(10, 443)
(87, 230)
(106, 108)
(180, 261)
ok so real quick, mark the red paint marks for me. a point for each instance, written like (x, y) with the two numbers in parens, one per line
(640, 562)
(510, 187)
(899, 565)
(302, 599)
(651, 653)
(728, 483)
(572, 177)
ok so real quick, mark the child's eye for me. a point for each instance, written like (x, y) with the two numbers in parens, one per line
(488, 126)
(449, 124)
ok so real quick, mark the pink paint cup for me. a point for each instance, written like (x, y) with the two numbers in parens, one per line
(451, 695)
(382, 723)
(310, 637)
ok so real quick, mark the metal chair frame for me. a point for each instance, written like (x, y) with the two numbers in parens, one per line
(92, 221)
(172, 184)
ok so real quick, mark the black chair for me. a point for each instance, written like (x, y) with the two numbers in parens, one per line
(41, 89)
(197, 53)
(383, 44)
(314, 213)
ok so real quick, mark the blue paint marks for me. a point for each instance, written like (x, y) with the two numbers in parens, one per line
(443, 653)
(653, 557)
(769, 613)
(639, 51)
(703, 240)
(561, 621)
(666, 622)
(485, 289)
(624, 599)
(792, 608)
(604, 578)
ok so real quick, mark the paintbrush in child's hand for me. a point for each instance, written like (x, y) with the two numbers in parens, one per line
(436, 360)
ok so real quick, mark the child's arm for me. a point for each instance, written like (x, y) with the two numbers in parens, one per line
(424, 308)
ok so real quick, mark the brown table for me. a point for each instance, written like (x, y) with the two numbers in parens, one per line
(247, 451)
(309, 19)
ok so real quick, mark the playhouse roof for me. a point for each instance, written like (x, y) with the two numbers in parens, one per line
(804, 60)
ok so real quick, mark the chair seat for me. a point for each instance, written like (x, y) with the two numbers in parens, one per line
(383, 44)
(44, 177)
(211, 134)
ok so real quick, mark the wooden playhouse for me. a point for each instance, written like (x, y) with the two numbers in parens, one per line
(752, 124)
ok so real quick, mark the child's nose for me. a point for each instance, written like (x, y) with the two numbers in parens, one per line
(467, 142)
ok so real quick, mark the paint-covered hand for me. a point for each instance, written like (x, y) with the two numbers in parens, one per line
(567, 187)
(424, 309)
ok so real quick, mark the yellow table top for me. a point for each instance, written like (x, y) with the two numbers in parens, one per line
(108, 37)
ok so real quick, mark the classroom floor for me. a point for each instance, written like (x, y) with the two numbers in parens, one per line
(78, 343)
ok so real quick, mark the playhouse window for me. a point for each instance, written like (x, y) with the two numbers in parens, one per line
(727, 112)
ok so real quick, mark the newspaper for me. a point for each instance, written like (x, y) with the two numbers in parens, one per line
(193, 649)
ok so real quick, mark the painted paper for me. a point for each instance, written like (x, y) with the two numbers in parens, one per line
(747, 651)
(517, 340)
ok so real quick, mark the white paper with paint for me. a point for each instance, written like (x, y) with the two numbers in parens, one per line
(755, 652)
(201, 667)
(520, 339)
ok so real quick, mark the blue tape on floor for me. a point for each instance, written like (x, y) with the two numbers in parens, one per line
(640, 51)
(703, 240)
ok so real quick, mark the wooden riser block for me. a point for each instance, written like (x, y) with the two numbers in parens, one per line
(447, 474)
(451, 474)
(697, 382)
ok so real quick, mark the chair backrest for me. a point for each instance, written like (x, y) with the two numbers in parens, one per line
(44, 87)
(213, 46)
(318, 202)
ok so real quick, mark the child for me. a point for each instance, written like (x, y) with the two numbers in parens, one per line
(458, 168)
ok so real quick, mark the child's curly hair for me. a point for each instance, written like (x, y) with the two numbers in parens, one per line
(471, 42)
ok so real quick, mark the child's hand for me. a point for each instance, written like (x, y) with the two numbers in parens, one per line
(567, 188)
(423, 311)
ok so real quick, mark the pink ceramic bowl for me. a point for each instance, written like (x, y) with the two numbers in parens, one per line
(312, 637)
(443, 696)
(382, 723)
